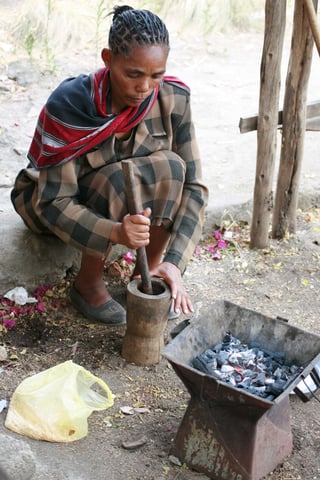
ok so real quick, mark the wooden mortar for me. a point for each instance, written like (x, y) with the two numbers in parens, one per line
(147, 317)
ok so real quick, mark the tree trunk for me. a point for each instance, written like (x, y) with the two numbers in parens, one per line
(270, 77)
(294, 124)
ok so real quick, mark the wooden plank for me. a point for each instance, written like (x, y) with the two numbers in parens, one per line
(249, 124)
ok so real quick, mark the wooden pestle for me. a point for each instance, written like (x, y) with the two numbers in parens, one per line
(142, 262)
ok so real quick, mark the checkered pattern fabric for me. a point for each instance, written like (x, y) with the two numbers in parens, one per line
(80, 200)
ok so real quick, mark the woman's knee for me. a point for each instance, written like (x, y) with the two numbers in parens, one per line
(161, 166)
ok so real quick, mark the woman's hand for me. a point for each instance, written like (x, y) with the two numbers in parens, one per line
(172, 276)
(134, 231)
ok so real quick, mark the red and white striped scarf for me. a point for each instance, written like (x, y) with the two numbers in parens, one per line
(75, 119)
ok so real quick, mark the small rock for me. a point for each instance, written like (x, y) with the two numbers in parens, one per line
(126, 410)
(3, 353)
(136, 443)
(142, 410)
(174, 460)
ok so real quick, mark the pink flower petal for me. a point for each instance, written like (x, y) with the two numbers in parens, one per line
(9, 323)
(41, 307)
(222, 244)
(128, 257)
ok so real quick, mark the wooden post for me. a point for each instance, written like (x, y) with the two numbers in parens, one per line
(294, 124)
(270, 75)
(312, 15)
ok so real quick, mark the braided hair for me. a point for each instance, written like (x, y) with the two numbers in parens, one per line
(141, 27)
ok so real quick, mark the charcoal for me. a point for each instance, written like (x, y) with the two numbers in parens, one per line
(227, 369)
(276, 388)
(236, 377)
(222, 358)
(260, 379)
(201, 365)
(205, 364)
(247, 366)
(217, 348)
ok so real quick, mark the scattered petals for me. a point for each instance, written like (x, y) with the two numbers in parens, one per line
(17, 302)
(128, 257)
(213, 246)
(41, 307)
(8, 322)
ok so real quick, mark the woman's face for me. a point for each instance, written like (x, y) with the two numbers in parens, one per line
(134, 77)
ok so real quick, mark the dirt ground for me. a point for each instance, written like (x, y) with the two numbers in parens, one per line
(281, 280)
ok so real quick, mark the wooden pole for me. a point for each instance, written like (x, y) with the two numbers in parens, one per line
(312, 15)
(142, 261)
(294, 124)
(270, 75)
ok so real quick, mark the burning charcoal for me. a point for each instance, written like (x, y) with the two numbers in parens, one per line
(237, 378)
(227, 369)
(208, 354)
(248, 356)
(257, 390)
(276, 388)
(261, 367)
(269, 380)
(260, 355)
(232, 381)
(201, 365)
(217, 348)
(218, 374)
(244, 383)
(230, 341)
(227, 338)
(247, 373)
(260, 379)
(213, 364)
(222, 357)
(206, 362)
(235, 358)
(260, 372)
(250, 364)
(277, 373)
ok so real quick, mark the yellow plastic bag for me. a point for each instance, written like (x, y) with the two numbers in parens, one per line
(54, 405)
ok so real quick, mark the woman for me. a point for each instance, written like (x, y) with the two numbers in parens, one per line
(74, 188)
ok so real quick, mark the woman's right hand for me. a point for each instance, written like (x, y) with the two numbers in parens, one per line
(133, 231)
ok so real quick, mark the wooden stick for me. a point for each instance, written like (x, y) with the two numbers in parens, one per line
(142, 261)
(314, 25)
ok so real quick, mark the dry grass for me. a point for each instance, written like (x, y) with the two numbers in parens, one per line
(47, 28)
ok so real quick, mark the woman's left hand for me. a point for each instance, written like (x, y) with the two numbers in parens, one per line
(172, 276)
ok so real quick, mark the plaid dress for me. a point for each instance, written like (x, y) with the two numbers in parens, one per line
(79, 200)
